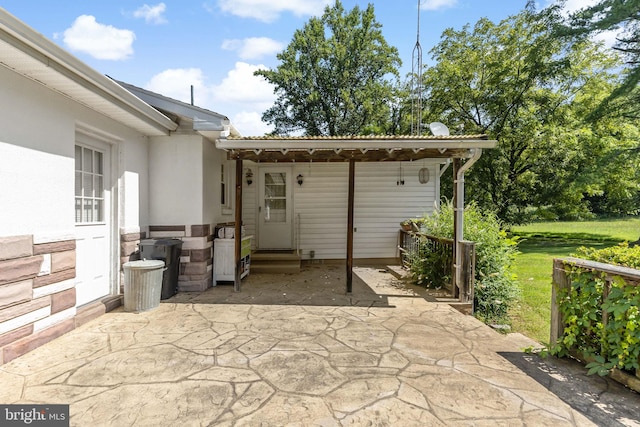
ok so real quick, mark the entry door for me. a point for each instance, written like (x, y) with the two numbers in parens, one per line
(93, 219)
(275, 209)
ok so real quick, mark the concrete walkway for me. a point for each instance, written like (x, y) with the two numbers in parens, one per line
(290, 350)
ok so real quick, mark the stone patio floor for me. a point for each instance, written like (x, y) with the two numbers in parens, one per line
(296, 350)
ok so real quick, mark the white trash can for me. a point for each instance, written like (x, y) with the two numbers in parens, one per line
(142, 284)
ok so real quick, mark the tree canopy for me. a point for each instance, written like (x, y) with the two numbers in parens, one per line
(333, 76)
(519, 83)
(622, 16)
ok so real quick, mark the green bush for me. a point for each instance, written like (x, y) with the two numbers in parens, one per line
(616, 344)
(495, 285)
(618, 255)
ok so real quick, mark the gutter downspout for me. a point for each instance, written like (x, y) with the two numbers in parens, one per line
(459, 209)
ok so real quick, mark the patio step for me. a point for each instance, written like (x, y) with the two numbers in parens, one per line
(275, 262)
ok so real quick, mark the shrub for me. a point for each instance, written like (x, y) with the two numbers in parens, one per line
(616, 344)
(618, 255)
(495, 285)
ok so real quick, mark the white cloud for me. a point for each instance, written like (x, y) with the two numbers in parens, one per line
(253, 47)
(438, 4)
(572, 6)
(151, 14)
(249, 123)
(244, 97)
(270, 10)
(240, 95)
(241, 86)
(575, 5)
(99, 40)
(176, 83)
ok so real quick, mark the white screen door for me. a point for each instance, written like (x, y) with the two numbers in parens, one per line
(274, 209)
(93, 221)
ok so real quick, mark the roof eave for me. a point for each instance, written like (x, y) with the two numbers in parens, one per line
(34, 45)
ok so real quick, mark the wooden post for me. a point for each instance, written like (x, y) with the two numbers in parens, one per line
(350, 209)
(454, 276)
(238, 228)
(468, 271)
(560, 281)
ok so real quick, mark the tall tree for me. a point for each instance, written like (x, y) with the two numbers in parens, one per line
(622, 16)
(518, 83)
(332, 77)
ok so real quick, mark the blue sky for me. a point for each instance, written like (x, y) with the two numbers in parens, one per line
(215, 45)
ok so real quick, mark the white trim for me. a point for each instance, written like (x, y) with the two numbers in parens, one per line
(96, 133)
(53, 288)
(25, 319)
(45, 266)
(130, 230)
(52, 237)
(54, 319)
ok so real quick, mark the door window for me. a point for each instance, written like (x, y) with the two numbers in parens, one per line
(89, 197)
(275, 197)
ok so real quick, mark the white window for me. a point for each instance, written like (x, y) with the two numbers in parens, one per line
(225, 196)
(89, 185)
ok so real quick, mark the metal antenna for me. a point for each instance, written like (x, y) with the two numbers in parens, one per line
(416, 84)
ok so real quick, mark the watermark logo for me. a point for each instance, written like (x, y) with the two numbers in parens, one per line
(34, 415)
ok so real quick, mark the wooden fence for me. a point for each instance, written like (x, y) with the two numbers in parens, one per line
(414, 244)
(562, 269)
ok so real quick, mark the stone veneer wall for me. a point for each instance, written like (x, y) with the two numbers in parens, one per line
(38, 295)
(196, 259)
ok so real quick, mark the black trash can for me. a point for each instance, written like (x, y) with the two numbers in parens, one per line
(167, 250)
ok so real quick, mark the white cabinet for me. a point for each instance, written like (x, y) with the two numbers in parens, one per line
(224, 260)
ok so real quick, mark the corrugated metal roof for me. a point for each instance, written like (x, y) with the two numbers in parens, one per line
(362, 138)
(363, 148)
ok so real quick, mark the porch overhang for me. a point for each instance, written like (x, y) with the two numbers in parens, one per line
(353, 149)
(358, 148)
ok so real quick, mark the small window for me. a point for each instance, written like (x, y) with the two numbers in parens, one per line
(225, 187)
(89, 193)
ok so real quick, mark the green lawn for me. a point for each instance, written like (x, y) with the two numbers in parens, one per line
(539, 244)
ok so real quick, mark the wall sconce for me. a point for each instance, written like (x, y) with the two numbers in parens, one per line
(300, 179)
(249, 176)
(423, 175)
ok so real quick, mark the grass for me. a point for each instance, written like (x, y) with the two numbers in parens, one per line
(539, 244)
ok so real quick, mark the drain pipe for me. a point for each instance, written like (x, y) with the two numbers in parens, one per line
(459, 208)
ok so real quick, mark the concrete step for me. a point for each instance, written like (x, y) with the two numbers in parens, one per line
(274, 262)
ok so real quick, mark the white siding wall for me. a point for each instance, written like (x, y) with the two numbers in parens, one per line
(212, 159)
(134, 185)
(176, 180)
(249, 201)
(37, 138)
(320, 209)
(380, 204)
(320, 206)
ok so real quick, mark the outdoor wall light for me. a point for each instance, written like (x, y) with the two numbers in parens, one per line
(300, 179)
(249, 176)
(423, 175)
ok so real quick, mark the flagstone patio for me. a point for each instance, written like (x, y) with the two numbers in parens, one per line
(297, 350)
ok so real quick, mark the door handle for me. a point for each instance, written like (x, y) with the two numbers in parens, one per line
(259, 209)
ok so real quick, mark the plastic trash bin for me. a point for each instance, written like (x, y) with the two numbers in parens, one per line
(167, 250)
(142, 284)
